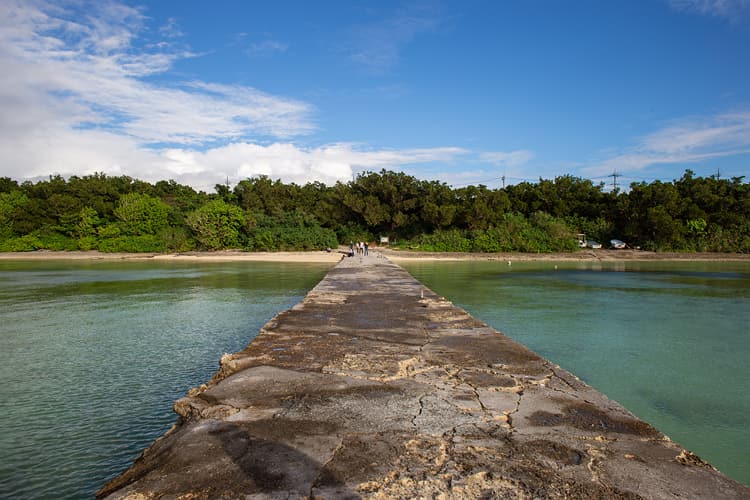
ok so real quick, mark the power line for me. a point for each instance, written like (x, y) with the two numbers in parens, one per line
(614, 176)
(617, 180)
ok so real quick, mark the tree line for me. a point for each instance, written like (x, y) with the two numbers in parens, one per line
(121, 214)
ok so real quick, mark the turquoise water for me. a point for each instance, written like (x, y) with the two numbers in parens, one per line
(93, 355)
(670, 341)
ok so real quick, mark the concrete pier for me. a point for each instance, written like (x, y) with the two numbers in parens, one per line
(375, 387)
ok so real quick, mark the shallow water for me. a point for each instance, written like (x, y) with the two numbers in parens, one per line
(93, 355)
(670, 341)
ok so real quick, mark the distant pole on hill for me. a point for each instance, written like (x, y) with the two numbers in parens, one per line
(614, 176)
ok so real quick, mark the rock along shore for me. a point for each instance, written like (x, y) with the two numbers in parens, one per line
(375, 387)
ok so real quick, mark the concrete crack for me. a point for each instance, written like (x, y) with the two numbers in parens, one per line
(509, 416)
(323, 466)
(476, 392)
(562, 379)
(421, 409)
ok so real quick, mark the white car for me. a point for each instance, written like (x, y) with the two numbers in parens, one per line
(593, 244)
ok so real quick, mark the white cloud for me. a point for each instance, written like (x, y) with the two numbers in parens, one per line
(266, 48)
(75, 101)
(378, 45)
(171, 29)
(731, 10)
(56, 149)
(688, 141)
(291, 163)
(507, 159)
(60, 150)
(84, 69)
(374, 159)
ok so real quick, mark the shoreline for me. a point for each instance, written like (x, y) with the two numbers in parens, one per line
(321, 256)
(312, 257)
(577, 256)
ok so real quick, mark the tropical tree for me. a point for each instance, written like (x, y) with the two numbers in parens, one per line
(217, 224)
(11, 203)
(141, 214)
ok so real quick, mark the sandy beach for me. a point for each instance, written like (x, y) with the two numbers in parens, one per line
(222, 256)
(581, 255)
(395, 255)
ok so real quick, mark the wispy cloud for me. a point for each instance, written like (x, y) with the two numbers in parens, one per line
(731, 10)
(507, 159)
(687, 141)
(266, 48)
(91, 65)
(377, 46)
(76, 99)
(171, 29)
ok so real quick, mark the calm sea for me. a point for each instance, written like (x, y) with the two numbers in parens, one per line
(670, 341)
(92, 355)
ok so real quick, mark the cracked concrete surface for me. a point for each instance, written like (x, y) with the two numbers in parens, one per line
(375, 387)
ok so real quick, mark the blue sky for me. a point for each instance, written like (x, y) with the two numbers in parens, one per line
(462, 92)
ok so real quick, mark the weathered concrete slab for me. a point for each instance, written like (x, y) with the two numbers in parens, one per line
(375, 387)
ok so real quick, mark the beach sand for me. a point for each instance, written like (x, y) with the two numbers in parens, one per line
(221, 256)
(395, 255)
(577, 256)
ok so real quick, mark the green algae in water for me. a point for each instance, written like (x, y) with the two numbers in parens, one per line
(94, 354)
(670, 341)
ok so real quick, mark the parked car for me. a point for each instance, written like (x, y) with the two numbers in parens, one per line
(593, 244)
(617, 244)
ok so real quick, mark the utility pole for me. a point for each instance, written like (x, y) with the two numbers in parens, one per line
(614, 176)
(503, 178)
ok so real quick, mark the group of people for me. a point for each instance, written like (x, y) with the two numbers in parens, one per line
(361, 248)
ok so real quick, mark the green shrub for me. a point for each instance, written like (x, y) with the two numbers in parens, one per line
(88, 243)
(176, 239)
(132, 244)
(515, 233)
(490, 241)
(141, 214)
(353, 232)
(109, 231)
(452, 240)
(56, 241)
(285, 238)
(26, 243)
(217, 224)
(262, 240)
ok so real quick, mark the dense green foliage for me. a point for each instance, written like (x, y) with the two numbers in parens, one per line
(112, 214)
